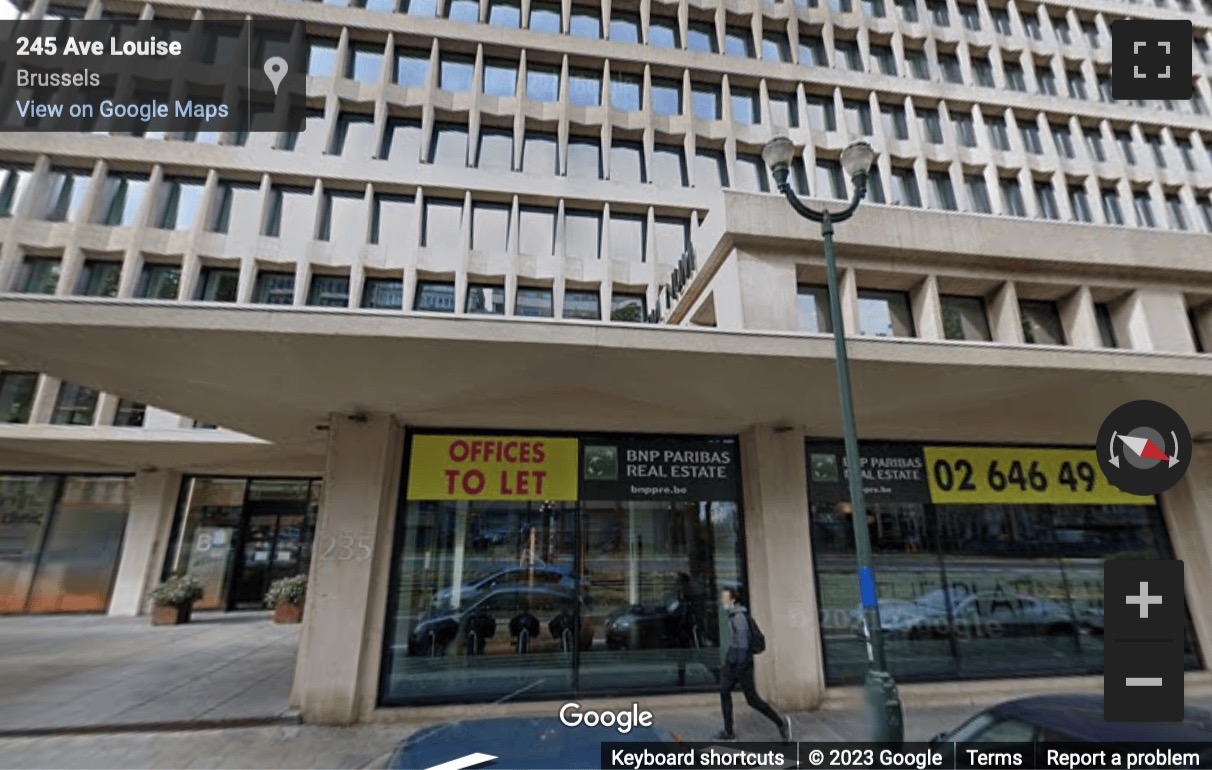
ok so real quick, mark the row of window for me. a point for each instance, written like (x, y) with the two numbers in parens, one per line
(100, 278)
(74, 404)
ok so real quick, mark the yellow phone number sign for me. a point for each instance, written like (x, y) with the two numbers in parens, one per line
(1025, 475)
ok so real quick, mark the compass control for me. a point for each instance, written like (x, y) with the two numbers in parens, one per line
(1144, 447)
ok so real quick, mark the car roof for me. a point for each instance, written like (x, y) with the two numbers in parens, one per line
(1080, 716)
(536, 743)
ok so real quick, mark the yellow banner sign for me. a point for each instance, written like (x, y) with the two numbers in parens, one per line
(492, 468)
(1020, 475)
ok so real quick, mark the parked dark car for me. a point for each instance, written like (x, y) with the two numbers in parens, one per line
(505, 620)
(672, 624)
(1076, 718)
(540, 574)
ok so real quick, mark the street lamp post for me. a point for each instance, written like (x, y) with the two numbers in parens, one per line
(884, 707)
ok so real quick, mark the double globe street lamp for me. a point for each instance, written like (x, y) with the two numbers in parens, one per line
(884, 706)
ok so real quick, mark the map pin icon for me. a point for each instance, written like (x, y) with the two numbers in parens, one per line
(275, 70)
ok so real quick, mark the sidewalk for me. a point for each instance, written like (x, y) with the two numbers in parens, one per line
(63, 672)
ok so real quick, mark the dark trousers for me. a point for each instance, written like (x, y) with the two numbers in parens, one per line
(741, 673)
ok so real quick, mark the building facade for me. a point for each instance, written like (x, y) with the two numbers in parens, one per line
(457, 389)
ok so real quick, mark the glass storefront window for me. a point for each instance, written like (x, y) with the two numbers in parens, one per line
(574, 568)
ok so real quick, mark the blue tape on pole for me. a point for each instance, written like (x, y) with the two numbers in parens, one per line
(867, 586)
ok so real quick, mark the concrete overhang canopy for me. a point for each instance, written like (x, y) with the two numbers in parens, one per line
(278, 373)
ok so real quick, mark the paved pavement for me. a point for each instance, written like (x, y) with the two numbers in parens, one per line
(77, 671)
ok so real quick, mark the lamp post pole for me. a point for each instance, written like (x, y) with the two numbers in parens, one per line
(885, 715)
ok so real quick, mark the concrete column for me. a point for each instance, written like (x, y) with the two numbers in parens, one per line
(1187, 509)
(148, 526)
(1158, 321)
(777, 535)
(339, 645)
(847, 287)
(1004, 319)
(775, 282)
(1077, 318)
(927, 309)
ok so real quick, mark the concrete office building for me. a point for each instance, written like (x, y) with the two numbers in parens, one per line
(454, 389)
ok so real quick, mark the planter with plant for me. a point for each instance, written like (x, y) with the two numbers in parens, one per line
(286, 597)
(173, 600)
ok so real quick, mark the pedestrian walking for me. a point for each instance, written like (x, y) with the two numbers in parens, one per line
(745, 640)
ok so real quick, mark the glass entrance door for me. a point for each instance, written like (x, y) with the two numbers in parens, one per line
(256, 560)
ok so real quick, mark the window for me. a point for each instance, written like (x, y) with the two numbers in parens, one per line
(442, 216)
(1031, 26)
(391, 220)
(750, 174)
(38, 275)
(812, 51)
(666, 96)
(129, 414)
(448, 147)
(883, 60)
(533, 302)
(322, 58)
(784, 110)
(700, 37)
(1155, 143)
(329, 291)
(938, 13)
(180, 200)
(218, 284)
(354, 130)
(496, 149)
(705, 100)
(1014, 77)
(1104, 89)
(536, 230)
(1094, 143)
(17, 396)
(98, 278)
(932, 128)
(830, 181)
(895, 125)
(287, 204)
(669, 165)
(545, 17)
(1106, 327)
(584, 305)
(341, 218)
(950, 66)
(401, 140)
(273, 288)
(971, 16)
(663, 33)
(584, 88)
(628, 237)
(463, 10)
(874, 8)
(1077, 85)
(1045, 196)
(485, 299)
(813, 304)
(858, 117)
(455, 72)
(120, 200)
(383, 294)
(435, 297)
(965, 129)
(745, 107)
(965, 318)
(1201, 48)
(1031, 138)
(585, 21)
(904, 188)
(848, 55)
(1111, 207)
(539, 153)
(821, 113)
(505, 13)
(1187, 152)
(738, 42)
(1061, 25)
(1041, 322)
(915, 58)
(978, 194)
(884, 313)
(584, 158)
(624, 27)
(1205, 211)
(998, 135)
(672, 238)
(364, 62)
(1012, 193)
(942, 194)
(75, 405)
(158, 281)
(627, 162)
(1064, 141)
(1174, 213)
(631, 308)
(583, 233)
(908, 10)
(1090, 32)
(12, 188)
(1001, 21)
(1144, 209)
(1079, 201)
(500, 77)
(313, 128)
(982, 70)
(1046, 81)
(776, 47)
(625, 91)
(710, 169)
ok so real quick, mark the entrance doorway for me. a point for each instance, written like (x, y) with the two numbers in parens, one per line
(237, 536)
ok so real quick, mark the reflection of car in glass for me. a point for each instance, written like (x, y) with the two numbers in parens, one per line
(541, 574)
(902, 617)
(669, 625)
(495, 621)
(1076, 718)
(537, 743)
(983, 614)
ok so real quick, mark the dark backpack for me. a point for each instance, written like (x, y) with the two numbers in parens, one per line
(757, 640)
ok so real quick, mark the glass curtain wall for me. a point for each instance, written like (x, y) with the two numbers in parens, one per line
(602, 578)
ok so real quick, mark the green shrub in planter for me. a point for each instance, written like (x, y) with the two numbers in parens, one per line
(179, 591)
(289, 590)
